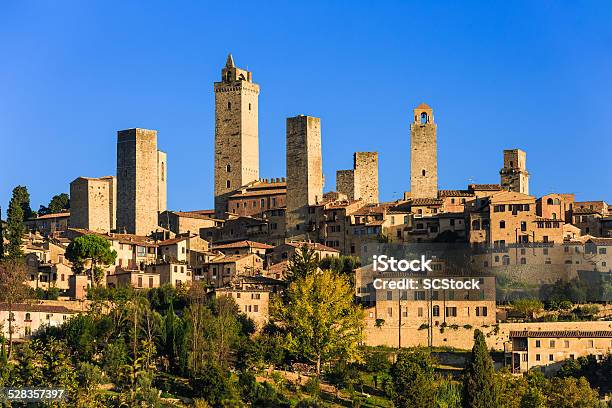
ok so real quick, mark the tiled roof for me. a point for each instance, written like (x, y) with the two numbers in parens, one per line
(562, 333)
(26, 307)
(455, 193)
(484, 187)
(244, 244)
(257, 193)
(600, 241)
(175, 240)
(313, 245)
(193, 214)
(578, 210)
(425, 201)
(229, 258)
(55, 215)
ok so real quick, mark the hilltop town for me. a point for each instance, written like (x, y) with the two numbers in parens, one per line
(518, 245)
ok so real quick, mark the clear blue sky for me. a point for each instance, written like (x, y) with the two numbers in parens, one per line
(535, 75)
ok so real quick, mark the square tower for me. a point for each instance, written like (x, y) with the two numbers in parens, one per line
(514, 174)
(93, 203)
(362, 181)
(236, 133)
(141, 181)
(304, 172)
(423, 154)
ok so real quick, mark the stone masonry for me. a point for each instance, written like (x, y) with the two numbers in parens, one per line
(423, 154)
(304, 173)
(362, 181)
(93, 203)
(236, 133)
(141, 192)
(514, 175)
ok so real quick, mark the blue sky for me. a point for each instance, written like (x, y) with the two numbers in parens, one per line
(530, 75)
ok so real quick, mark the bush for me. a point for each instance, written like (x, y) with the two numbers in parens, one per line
(312, 386)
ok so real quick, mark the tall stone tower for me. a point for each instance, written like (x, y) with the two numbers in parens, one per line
(141, 181)
(236, 132)
(93, 203)
(514, 175)
(423, 154)
(362, 181)
(304, 173)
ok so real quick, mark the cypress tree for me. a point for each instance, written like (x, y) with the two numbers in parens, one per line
(14, 223)
(1, 236)
(479, 377)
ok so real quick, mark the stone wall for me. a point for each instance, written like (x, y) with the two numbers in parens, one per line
(345, 183)
(514, 175)
(423, 154)
(93, 203)
(137, 181)
(362, 181)
(304, 172)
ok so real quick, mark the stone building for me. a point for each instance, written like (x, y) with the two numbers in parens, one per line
(181, 222)
(236, 132)
(257, 197)
(48, 224)
(93, 203)
(304, 173)
(514, 175)
(423, 154)
(141, 181)
(555, 206)
(362, 181)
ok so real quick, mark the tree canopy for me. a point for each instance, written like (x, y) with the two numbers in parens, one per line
(91, 248)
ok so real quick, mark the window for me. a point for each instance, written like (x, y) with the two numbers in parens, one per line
(228, 184)
(28, 317)
(140, 281)
(499, 208)
(228, 168)
(525, 357)
(481, 311)
(538, 343)
(523, 261)
(229, 106)
(419, 295)
(249, 105)
(420, 312)
(255, 308)
(523, 226)
(451, 311)
(591, 344)
(436, 311)
(389, 295)
(390, 311)
(551, 344)
(537, 357)
(150, 281)
(502, 224)
(423, 172)
(566, 343)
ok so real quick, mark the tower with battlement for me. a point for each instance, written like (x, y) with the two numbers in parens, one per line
(423, 154)
(236, 133)
(514, 175)
(304, 173)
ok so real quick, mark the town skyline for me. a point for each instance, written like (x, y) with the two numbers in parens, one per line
(472, 136)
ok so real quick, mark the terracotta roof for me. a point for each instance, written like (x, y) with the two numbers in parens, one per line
(122, 238)
(313, 245)
(562, 333)
(423, 106)
(244, 244)
(193, 214)
(55, 215)
(455, 193)
(425, 201)
(256, 193)
(26, 307)
(229, 258)
(484, 187)
(600, 241)
(578, 210)
(176, 240)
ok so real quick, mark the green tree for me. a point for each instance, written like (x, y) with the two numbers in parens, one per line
(528, 307)
(321, 320)
(303, 262)
(18, 211)
(94, 249)
(448, 394)
(13, 290)
(59, 203)
(533, 398)
(571, 393)
(226, 329)
(412, 380)
(479, 390)
(2, 250)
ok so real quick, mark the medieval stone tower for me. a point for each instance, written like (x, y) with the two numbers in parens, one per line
(514, 175)
(423, 154)
(236, 132)
(362, 181)
(141, 181)
(304, 173)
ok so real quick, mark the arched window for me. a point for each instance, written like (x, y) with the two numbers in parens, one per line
(554, 216)
(241, 77)
(229, 106)
(228, 76)
(27, 317)
(557, 201)
(228, 184)
(228, 168)
(423, 172)
(163, 171)
(424, 118)
(549, 201)
(436, 310)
